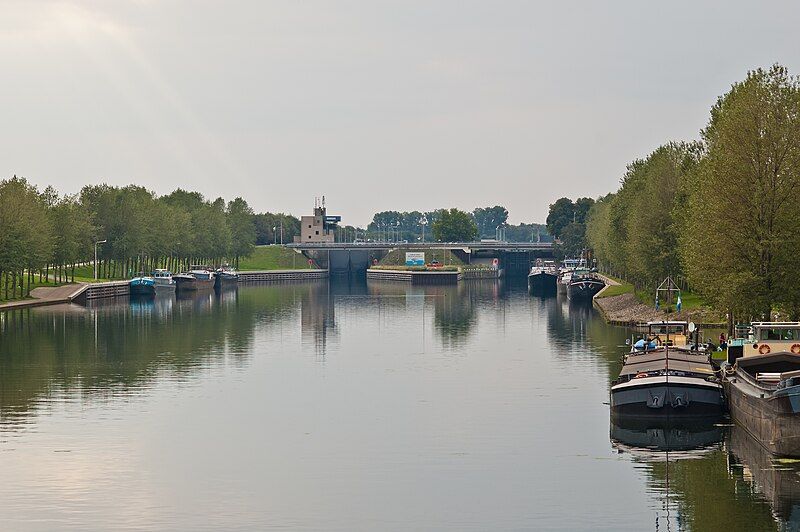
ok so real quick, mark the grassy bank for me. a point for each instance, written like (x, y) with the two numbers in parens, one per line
(689, 300)
(397, 257)
(262, 258)
(17, 297)
(623, 303)
(274, 258)
(617, 290)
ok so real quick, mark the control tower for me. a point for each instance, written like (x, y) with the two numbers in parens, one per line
(319, 227)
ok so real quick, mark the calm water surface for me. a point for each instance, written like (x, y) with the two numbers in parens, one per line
(352, 406)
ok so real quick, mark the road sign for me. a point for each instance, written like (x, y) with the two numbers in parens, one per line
(415, 258)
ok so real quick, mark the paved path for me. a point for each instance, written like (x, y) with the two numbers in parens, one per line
(608, 280)
(45, 295)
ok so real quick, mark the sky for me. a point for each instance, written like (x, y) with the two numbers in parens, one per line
(377, 105)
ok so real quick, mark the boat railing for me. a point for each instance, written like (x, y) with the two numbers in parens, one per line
(743, 374)
(768, 378)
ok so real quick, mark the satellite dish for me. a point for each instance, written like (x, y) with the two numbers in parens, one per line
(692, 327)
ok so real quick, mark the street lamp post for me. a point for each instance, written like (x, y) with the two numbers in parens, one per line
(95, 256)
(423, 222)
(275, 234)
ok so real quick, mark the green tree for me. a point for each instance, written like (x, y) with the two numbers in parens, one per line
(653, 212)
(582, 207)
(562, 213)
(597, 232)
(573, 240)
(26, 241)
(243, 229)
(72, 233)
(488, 219)
(740, 249)
(454, 225)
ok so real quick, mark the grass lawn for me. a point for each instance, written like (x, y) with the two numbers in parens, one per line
(34, 284)
(689, 300)
(617, 290)
(85, 274)
(397, 257)
(274, 258)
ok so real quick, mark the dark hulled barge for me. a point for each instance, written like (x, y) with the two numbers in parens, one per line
(667, 381)
(584, 286)
(666, 374)
(195, 280)
(226, 277)
(763, 387)
(543, 278)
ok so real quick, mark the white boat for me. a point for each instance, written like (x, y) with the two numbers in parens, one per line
(163, 281)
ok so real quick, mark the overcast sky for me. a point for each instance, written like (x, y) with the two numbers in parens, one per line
(376, 105)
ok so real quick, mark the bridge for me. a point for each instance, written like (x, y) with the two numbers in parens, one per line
(422, 246)
(514, 257)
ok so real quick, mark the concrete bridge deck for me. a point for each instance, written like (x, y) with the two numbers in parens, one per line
(475, 246)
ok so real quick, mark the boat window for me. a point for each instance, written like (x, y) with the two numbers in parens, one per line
(667, 329)
(778, 334)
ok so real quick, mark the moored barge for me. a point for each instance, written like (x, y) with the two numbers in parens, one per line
(543, 278)
(667, 382)
(667, 373)
(763, 387)
(584, 285)
(195, 280)
(226, 277)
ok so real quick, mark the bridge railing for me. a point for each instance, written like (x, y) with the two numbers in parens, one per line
(421, 245)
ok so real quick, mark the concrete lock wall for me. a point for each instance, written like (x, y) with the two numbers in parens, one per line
(350, 260)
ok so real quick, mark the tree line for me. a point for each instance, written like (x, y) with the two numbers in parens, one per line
(453, 225)
(721, 211)
(49, 235)
(566, 221)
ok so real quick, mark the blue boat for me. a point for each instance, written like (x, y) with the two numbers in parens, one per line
(160, 281)
(143, 286)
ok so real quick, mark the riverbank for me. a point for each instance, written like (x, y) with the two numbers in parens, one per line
(619, 305)
(83, 292)
(45, 295)
(274, 258)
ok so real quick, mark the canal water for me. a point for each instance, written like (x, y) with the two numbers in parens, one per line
(352, 406)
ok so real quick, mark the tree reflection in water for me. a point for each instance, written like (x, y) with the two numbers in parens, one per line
(113, 348)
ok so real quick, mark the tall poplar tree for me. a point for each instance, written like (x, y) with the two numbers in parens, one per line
(741, 242)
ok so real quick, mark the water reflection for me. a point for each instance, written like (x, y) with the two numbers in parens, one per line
(114, 348)
(688, 477)
(318, 316)
(634, 435)
(776, 480)
(354, 405)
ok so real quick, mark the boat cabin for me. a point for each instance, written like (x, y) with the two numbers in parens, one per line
(773, 337)
(671, 333)
(162, 274)
(546, 266)
(573, 264)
